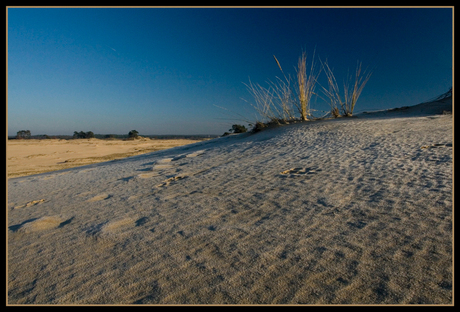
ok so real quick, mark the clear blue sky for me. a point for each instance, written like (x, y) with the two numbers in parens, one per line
(164, 70)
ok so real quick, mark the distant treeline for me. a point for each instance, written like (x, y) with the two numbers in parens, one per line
(121, 136)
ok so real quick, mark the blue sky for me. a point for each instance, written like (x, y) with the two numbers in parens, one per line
(168, 70)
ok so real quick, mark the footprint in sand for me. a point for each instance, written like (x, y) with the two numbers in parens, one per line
(170, 180)
(191, 155)
(147, 175)
(116, 226)
(437, 145)
(197, 153)
(40, 224)
(111, 228)
(99, 197)
(142, 221)
(164, 163)
(299, 171)
(82, 194)
(30, 204)
(178, 157)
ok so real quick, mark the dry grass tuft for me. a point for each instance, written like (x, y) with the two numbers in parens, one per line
(306, 83)
(351, 95)
(276, 102)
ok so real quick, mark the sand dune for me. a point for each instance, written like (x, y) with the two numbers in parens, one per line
(345, 211)
(27, 157)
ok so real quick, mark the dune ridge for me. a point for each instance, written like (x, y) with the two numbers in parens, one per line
(344, 211)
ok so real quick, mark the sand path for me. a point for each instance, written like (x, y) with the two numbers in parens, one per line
(27, 157)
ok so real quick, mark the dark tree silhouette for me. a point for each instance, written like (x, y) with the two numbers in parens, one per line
(23, 134)
(238, 129)
(83, 135)
(133, 134)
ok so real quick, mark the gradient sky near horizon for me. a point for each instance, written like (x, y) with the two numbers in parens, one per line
(170, 70)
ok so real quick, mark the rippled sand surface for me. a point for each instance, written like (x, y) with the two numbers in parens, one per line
(345, 211)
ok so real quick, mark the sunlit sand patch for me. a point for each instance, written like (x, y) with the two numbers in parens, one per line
(195, 154)
(191, 155)
(43, 223)
(83, 194)
(164, 163)
(147, 175)
(131, 197)
(29, 157)
(162, 166)
(30, 204)
(99, 197)
(117, 225)
(112, 230)
(164, 160)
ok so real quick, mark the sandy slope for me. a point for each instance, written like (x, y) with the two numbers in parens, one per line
(27, 157)
(354, 210)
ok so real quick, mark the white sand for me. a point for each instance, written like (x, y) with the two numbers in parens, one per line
(351, 210)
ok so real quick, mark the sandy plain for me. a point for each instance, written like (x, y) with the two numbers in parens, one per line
(27, 157)
(344, 211)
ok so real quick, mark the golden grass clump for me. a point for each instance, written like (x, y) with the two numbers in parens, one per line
(351, 95)
(277, 103)
(306, 83)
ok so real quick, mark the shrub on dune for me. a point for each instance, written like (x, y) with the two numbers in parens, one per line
(133, 134)
(236, 129)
